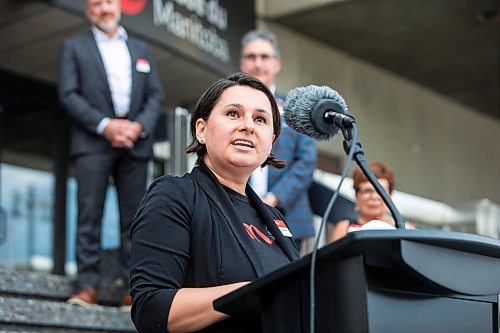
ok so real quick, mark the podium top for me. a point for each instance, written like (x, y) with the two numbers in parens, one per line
(456, 263)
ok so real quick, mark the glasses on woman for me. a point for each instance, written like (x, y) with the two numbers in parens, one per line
(368, 192)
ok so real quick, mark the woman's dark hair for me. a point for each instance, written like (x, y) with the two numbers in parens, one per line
(207, 101)
(379, 169)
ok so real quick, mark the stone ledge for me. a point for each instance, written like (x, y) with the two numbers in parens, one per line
(25, 313)
(54, 287)
(24, 329)
(35, 284)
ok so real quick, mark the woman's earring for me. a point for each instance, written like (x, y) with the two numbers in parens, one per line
(202, 141)
(356, 208)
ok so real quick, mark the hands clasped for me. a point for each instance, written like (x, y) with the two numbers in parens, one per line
(122, 133)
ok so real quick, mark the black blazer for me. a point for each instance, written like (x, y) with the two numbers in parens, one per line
(85, 95)
(187, 233)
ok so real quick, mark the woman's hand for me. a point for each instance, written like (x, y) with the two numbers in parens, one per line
(192, 308)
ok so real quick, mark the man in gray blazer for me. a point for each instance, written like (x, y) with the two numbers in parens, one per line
(109, 87)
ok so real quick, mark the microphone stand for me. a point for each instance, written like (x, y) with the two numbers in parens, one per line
(359, 157)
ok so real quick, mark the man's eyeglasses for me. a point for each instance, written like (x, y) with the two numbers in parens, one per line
(263, 57)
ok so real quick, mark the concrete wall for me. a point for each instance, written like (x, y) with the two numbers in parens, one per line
(273, 8)
(439, 149)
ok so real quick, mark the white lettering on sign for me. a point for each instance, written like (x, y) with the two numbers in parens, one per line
(216, 14)
(191, 28)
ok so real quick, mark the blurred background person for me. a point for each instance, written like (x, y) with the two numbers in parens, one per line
(285, 189)
(369, 204)
(198, 237)
(109, 86)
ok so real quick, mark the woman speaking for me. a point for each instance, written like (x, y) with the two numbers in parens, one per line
(198, 237)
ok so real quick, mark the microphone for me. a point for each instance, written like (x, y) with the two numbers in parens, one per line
(318, 112)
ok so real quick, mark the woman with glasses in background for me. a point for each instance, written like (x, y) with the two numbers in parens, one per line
(369, 204)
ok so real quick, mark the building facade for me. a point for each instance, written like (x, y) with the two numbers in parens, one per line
(441, 144)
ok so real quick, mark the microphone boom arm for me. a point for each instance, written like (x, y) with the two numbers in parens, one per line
(359, 157)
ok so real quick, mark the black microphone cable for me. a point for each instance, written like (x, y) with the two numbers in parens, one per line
(312, 273)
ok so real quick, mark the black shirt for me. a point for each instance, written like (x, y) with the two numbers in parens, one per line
(262, 240)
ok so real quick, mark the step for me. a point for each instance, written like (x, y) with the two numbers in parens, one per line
(18, 329)
(36, 285)
(54, 287)
(18, 314)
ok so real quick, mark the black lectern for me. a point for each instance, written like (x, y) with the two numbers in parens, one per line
(381, 281)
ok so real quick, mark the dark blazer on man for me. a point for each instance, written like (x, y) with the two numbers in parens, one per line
(291, 184)
(187, 233)
(85, 95)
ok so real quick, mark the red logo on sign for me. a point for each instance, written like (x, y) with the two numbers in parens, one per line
(132, 7)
